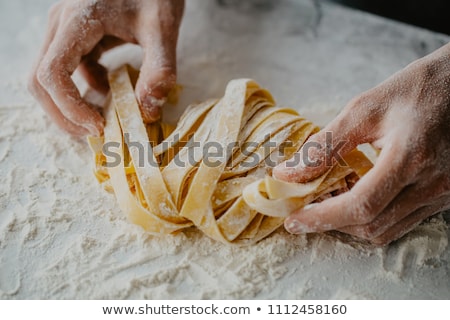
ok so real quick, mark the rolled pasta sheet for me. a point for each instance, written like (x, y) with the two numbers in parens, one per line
(211, 170)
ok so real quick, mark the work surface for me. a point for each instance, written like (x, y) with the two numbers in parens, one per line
(62, 236)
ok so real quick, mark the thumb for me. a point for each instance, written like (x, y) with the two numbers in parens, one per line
(328, 147)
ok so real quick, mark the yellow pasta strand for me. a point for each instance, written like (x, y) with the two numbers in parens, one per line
(168, 179)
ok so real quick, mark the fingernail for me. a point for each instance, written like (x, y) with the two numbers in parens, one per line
(151, 101)
(280, 172)
(151, 108)
(151, 114)
(290, 170)
(309, 206)
(92, 129)
(296, 227)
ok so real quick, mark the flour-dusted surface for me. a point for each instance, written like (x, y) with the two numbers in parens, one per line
(62, 236)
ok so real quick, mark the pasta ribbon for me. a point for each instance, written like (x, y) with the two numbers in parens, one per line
(211, 170)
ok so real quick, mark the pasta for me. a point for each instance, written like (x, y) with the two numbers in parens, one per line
(167, 179)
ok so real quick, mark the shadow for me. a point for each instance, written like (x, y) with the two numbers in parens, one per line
(431, 14)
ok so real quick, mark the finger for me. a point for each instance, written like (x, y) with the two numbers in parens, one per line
(360, 205)
(406, 225)
(61, 59)
(53, 22)
(158, 71)
(95, 74)
(355, 125)
(410, 199)
(38, 91)
(53, 111)
(152, 89)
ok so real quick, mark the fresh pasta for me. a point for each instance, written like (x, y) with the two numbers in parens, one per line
(211, 171)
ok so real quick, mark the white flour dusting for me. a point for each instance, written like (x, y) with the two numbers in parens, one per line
(62, 236)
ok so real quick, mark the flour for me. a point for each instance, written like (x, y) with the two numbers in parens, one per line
(62, 236)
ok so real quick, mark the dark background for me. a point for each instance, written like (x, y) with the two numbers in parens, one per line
(429, 14)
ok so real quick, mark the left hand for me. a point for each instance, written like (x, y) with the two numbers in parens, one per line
(408, 118)
(80, 31)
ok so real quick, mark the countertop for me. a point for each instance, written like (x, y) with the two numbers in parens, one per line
(61, 236)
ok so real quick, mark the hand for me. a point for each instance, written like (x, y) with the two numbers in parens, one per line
(79, 32)
(408, 118)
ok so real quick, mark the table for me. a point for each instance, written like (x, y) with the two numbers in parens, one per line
(61, 236)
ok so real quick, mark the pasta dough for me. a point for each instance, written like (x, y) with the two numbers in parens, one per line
(167, 179)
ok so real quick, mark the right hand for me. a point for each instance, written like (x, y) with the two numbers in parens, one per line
(408, 118)
(79, 32)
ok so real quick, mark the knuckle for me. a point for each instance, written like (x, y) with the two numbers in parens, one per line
(441, 187)
(369, 231)
(159, 83)
(46, 72)
(43, 74)
(366, 232)
(167, 75)
(363, 101)
(363, 232)
(381, 241)
(312, 156)
(33, 84)
(362, 210)
(366, 106)
(358, 101)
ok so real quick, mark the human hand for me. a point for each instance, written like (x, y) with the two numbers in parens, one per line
(408, 118)
(79, 32)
